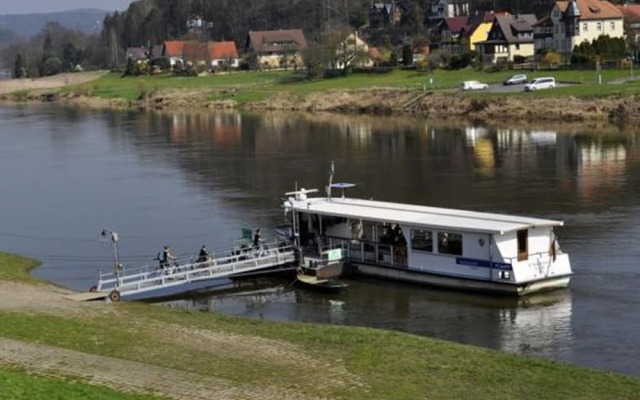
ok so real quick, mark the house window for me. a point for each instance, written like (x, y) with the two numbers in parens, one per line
(599, 26)
(517, 46)
(421, 240)
(523, 245)
(612, 24)
(450, 243)
(585, 27)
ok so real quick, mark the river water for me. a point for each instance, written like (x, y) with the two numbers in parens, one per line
(188, 180)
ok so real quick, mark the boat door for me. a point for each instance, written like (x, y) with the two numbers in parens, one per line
(523, 245)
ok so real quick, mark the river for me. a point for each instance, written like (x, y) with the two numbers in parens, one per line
(191, 179)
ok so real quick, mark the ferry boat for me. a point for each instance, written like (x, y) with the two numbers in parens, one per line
(444, 247)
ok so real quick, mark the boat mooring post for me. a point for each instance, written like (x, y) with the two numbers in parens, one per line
(113, 236)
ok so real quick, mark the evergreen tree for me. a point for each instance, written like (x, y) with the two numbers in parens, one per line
(19, 67)
(407, 55)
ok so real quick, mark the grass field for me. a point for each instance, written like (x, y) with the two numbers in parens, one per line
(18, 385)
(251, 86)
(387, 365)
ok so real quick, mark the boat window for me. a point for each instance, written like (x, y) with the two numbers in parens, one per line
(523, 245)
(421, 240)
(367, 231)
(450, 243)
(328, 222)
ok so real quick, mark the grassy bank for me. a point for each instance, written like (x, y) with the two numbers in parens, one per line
(311, 360)
(18, 385)
(251, 86)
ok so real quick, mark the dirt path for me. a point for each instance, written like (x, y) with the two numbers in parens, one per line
(177, 384)
(49, 82)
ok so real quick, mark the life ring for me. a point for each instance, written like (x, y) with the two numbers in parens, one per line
(114, 296)
(93, 289)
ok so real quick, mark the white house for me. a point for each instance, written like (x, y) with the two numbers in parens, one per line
(578, 21)
(354, 52)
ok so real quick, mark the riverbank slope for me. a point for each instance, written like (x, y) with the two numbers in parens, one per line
(181, 354)
(616, 103)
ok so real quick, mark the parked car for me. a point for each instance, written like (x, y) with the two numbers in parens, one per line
(474, 85)
(518, 79)
(540, 83)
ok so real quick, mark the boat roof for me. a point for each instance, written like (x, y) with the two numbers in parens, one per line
(417, 216)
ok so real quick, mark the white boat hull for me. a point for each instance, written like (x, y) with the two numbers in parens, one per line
(452, 282)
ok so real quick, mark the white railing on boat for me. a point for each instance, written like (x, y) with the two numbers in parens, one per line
(128, 281)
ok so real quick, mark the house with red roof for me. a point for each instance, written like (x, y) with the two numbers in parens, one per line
(577, 21)
(195, 53)
(173, 51)
(223, 55)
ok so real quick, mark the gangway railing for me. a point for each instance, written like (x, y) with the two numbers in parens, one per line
(237, 260)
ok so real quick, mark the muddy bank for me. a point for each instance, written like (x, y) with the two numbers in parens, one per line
(377, 101)
(442, 105)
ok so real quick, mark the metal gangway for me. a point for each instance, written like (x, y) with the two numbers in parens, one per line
(181, 277)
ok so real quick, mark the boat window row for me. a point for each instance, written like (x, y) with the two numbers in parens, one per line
(448, 242)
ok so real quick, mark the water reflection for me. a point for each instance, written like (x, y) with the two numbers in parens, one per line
(188, 179)
(536, 325)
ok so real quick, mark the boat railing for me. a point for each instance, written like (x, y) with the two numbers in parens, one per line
(234, 259)
(544, 255)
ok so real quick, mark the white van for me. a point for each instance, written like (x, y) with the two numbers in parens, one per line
(540, 83)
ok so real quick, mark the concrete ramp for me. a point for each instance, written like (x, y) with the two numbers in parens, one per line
(87, 296)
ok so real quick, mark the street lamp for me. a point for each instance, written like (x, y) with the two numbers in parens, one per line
(113, 237)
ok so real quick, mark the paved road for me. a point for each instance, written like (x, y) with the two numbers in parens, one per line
(500, 88)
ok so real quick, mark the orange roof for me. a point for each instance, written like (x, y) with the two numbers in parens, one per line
(593, 9)
(194, 51)
(173, 48)
(631, 12)
(222, 50)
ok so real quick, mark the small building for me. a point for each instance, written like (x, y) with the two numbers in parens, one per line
(197, 24)
(460, 34)
(510, 36)
(173, 51)
(138, 54)
(442, 9)
(385, 14)
(223, 55)
(374, 55)
(451, 31)
(631, 17)
(195, 53)
(420, 53)
(277, 49)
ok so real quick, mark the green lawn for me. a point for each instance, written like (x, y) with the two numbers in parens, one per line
(387, 365)
(20, 385)
(251, 86)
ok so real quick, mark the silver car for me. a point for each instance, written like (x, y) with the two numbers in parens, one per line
(540, 83)
(518, 79)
